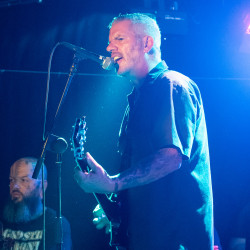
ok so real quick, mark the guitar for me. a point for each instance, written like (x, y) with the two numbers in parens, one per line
(109, 203)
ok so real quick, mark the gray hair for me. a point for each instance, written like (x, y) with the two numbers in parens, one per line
(149, 24)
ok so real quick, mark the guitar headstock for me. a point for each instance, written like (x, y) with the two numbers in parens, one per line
(79, 138)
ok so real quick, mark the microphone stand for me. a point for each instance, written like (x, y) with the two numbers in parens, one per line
(58, 145)
(73, 69)
(59, 231)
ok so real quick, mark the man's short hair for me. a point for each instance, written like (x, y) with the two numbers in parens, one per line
(149, 23)
(33, 161)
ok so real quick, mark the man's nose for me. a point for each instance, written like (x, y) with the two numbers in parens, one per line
(110, 47)
(15, 184)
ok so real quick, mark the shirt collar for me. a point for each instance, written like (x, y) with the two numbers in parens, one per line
(156, 72)
(150, 79)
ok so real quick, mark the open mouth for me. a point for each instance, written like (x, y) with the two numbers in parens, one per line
(117, 58)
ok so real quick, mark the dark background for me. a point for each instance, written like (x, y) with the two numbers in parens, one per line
(210, 46)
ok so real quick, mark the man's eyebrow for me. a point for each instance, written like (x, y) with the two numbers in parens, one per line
(118, 33)
(20, 177)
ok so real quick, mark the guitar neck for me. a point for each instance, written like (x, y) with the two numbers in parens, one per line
(110, 206)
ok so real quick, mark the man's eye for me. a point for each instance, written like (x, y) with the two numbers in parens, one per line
(119, 38)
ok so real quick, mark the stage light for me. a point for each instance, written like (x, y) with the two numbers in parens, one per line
(245, 43)
(246, 22)
(248, 30)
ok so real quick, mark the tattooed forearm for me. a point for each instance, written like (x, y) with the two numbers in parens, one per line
(150, 169)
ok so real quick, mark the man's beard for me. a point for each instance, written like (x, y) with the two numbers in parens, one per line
(28, 209)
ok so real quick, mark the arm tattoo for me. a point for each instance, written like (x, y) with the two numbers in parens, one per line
(151, 168)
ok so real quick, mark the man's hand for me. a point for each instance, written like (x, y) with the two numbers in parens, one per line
(100, 219)
(96, 180)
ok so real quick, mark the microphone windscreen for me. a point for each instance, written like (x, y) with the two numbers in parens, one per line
(108, 63)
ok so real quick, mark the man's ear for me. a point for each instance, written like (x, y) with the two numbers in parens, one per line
(148, 43)
(45, 187)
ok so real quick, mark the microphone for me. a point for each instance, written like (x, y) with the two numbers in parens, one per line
(106, 62)
(54, 144)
